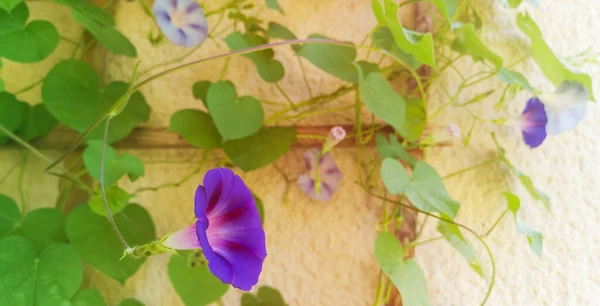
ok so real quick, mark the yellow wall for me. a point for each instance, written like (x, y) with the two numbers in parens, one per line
(321, 253)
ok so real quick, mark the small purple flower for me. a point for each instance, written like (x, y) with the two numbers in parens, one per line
(336, 135)
(553, 113)
(182, 21)
(322, 177)
(228, 229)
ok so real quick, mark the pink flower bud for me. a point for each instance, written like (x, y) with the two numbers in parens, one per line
(336, 135)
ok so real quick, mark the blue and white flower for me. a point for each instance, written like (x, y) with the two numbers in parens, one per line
(181, 21)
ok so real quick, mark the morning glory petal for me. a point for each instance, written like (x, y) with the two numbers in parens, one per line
(184, 239)
(329, 175)
(565, 107)
(533, 123)
(181, 21)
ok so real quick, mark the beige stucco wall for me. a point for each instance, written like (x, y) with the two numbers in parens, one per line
(321, 253)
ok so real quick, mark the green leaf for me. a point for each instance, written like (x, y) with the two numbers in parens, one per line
(384, 39)
(266, 296)
(381, 99)
(43, 227)
(516, 3)
(88, 297)
(115, 166)
(274, 5)
(418, 45)
(260, 149)
(425, 190)
(101, 25)
(26, 43)
(446, 7)
(393, 149)
(415, 120)
(131, 302)
(333, 59)
(200, 89)
(46, 279)
(71, 92)
(96, 242)
(513, 77)
(467, 42)
(116, 197)
(269, 69)
(12, 114)
(9, 215)
(235, 117)
(260, 208)
(452, 234)
(38, 122)
(534, 238)
(197, 128)
(406, 275)
(1, 85)
(549, 63)
(9, 5)
(277, 30)
(193, 282)
(377, 8)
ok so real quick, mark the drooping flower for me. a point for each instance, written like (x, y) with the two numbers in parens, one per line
(322, 177)
(227, 228)
(335, 136)
(182, 21)
(553, 113)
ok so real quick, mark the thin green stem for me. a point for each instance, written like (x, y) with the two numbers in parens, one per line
(224, 69)
(417, 243)
(495, 223)
(21, 179)
(379, 293)
(5, 177)
(304, 77)
(312, 114)
(68, 40)
(178, 183)
(29, 87)
(102, 189)
(487, 162)
(171, 61)
(310, 136)
(287, 98)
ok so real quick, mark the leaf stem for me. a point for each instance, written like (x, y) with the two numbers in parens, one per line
(180, 182)
(68, 40)
(21, 179)
(287, 98)
(103, 192)
(417, 243)
(310, 94)
(469, 168)
(29, 87)
(495, 223)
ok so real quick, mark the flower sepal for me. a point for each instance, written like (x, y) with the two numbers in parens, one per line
(150, 249)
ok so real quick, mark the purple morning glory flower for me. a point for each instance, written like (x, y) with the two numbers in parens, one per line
(182, 21)
(227, 228)
(322, 177)
(553, 113)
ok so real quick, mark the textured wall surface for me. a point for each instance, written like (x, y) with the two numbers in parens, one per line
(321, 253)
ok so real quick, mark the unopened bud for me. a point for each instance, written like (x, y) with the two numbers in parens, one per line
(336, 135)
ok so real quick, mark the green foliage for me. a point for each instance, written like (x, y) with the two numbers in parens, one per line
(277, 30)
(269, 69)
(116, 197)
(418, 45)
(333, 59)
(131, 302)
(467, 42)
(9, 5)
(115, 166)
(235, 117)
(552, 67)
(95, 241)
(383, 39)
(393, 149)
(381, 99)
(43, 227)
(513, 77)
(260, 149)
(25, 42)
(425, 190)
(71, 92)
(260, 207)
(88, 297)
(414, 123)
(193, 282)
(516, 3)
(446, 7)
(197, 128)
(534, 238)
(38, 122)
(452, 234)
(406, 275)
(274, 5)
(48, 278)
(9, 215)
(12, 115)
(1, 85)
(266, 296)
(200, 90)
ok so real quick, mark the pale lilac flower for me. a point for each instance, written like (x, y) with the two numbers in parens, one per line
(227, 228)
(182, 21)
(553, 113)
(322, 177)
(336, 135)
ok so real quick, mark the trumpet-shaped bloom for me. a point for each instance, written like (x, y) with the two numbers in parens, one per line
(322, 177)
(182, 21)
(553, 113)
(227, 228)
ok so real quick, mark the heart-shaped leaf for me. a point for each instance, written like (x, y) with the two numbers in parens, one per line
(269, 69)
(200, 90)
(235, 117)
(38, 122)
(114, 166)
(25, 43)
(131, 302)
(513, 77)
(197, 128)
(116, 197)
(9, 5)
(274, 5)
(534, 238)
(266, 296)
(384, 39)
(382, 99)
(452, 234)
(12, 114)
(335, 60)
(72, 94)
(27, 277)
(96, 242)
(467, 42)
(43, 227)
(393, 149)
(193, 282)
(1, 85)
(9, 215)
(260, 149)
(88, 297)
(277, 30)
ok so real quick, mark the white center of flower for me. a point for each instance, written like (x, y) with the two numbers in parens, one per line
(179, 18)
